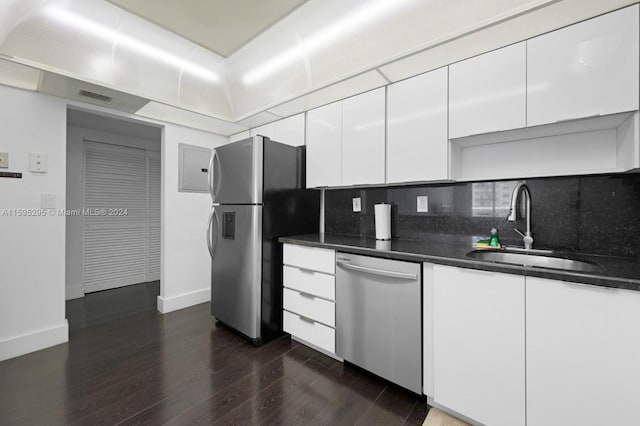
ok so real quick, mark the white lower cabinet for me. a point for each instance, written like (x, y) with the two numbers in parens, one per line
(479, 344)
(583, 354)
(311, 307)
(309, 295)
(319, 335)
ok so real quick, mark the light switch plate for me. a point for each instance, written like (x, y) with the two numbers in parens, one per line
(4, 160)
(357, 207)
(423, 204)
(38, 162)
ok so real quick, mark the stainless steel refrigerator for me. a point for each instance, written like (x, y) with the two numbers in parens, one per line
(257, 188)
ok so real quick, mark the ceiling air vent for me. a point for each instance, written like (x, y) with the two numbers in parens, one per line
(93, 95)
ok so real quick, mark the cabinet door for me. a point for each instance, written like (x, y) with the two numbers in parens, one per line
(487, 93)
(363, 138)
(324, 146)
(583, 348)
(289, 130)
(264, 130)
(583, 70)
(417, 145)
(479, 364)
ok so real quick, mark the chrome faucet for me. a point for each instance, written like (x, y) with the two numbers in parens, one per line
(527, 239)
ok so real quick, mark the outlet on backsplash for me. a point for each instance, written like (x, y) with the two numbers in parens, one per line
(4, 160)
(423, 204)
(357, 207)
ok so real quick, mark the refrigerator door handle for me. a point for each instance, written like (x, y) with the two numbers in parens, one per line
(213, 153)
(214, 184)
(210, 245)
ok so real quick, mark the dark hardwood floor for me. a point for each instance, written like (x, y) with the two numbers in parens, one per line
(127, 364)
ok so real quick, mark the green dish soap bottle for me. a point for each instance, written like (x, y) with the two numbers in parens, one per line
(493, 241)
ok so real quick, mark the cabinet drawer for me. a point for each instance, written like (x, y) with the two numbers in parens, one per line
(311, 282)
(313, 332)
(309, 306)
(314, 258)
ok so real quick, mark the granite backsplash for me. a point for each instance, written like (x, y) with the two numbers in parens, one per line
(597, 214)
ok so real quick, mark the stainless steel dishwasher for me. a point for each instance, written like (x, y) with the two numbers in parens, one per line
(378, 317)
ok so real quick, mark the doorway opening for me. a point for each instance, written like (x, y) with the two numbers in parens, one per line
(113, 203)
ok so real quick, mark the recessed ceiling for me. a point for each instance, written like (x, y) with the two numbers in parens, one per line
(111, 124)
(222, 26)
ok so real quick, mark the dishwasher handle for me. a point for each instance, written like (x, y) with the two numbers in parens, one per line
(380, 272)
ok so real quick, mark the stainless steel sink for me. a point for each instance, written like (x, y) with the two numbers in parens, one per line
(542, 261)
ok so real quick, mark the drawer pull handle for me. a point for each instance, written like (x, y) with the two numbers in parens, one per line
(307, 295)
(305, 319)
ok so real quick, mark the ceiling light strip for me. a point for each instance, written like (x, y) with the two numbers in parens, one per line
(88, 26)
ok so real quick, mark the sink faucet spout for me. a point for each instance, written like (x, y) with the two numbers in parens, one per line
(522, 188)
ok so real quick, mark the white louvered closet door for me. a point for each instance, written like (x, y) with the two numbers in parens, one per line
(121, 217)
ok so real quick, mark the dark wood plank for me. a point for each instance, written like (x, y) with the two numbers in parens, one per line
(225, 373)
(352, 394)
(418, 414)
(191, 401)
(127, 364)
(267, 406)
(390, 408)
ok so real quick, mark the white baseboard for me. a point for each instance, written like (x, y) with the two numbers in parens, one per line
(181, 301)
(74, 292)
(31, 342)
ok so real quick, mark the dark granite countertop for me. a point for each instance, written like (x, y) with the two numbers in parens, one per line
(618, 272)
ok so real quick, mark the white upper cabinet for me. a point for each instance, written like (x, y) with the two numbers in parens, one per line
(324, 146)
(582, 354)
(288, 130)
(363, 138)
(479, 344)
(264, 130)
(487, 93)
(587, 69)
(417, 143)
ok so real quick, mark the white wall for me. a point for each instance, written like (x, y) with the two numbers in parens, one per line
(32, 249)
(32, 255)
(185, 277)
(75, 190)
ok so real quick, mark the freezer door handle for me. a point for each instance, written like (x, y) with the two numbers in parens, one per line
(210, 177)
(212, 220)
(214, 184)
(380, 272)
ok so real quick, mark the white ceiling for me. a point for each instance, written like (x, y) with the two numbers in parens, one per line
(285, 56)
(222, 26)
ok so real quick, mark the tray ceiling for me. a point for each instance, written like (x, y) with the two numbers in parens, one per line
(223, 66)
(222, 26)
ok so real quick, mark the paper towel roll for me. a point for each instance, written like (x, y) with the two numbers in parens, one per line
(383, 221)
